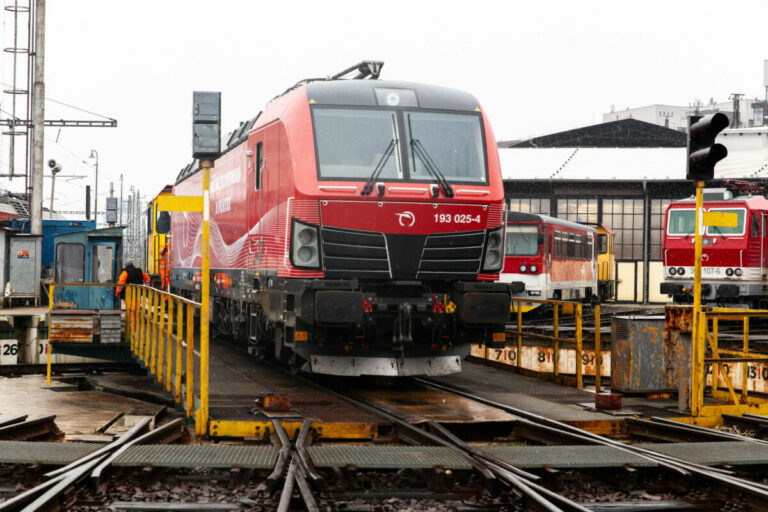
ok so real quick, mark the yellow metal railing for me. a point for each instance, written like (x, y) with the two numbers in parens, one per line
(575, 308)
(151, 318)
(719, 358)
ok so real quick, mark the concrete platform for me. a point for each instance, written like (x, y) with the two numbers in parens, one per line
(550, 400)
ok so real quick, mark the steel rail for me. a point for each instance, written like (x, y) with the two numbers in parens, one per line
(138, 429)
(99, 471)
(282, 456)
(724, 478)
(287, 493)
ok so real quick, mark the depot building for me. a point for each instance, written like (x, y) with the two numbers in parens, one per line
(622, 174)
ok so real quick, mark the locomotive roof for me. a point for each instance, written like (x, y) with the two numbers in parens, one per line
(513, 217)
(357, 93)
(363, 93)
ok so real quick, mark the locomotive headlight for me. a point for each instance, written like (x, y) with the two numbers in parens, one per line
(534, 268)
(494, 240)
(729, 272)
(306, 235)
(672, 271)
(680, 271)
(523, 268)
(493, 247)
(738, 272)
(305, 250)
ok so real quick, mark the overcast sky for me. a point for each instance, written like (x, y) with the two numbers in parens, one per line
(536, 67)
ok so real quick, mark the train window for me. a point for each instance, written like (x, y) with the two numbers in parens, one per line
(681, 222)
(571, 246)
(70, 263)
(741, 214)
(453, 141)
(602, 244)
(590, 247)
(522, 241)
(558, 246)
(351, 143)
(259, 165)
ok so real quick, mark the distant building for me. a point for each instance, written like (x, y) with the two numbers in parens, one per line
(624, 174)
(675, 117)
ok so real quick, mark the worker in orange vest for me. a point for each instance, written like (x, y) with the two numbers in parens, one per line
(164, 275)
(130, 275)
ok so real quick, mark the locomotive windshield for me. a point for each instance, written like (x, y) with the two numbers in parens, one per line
(727, 230)
(522, 241)
(453, 141)
(352, 141)
(681, 222)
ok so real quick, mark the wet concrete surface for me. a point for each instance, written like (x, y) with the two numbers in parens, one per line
(548, 399)
(77, 412)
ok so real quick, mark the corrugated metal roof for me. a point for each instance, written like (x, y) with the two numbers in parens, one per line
(593, 163)
(747, 158)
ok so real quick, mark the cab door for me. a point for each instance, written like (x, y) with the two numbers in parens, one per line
(101, 268)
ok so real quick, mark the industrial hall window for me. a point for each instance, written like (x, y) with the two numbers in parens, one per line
(530, 205)
(577, 209)
(625, 217)
(658, 207)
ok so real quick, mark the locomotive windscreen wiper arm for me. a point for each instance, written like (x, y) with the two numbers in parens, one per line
(368, 187)
(431, 166)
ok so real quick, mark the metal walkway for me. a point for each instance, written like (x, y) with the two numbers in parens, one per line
(154, 455)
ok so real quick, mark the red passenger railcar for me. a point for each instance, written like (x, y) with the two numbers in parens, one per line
(549, 258)
(734, 260)
(356, 228)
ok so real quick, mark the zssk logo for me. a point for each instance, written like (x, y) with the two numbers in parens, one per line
(406, 219)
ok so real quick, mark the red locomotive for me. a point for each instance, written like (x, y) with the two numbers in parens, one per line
(734, 260)
(356, 229)
(549, 258)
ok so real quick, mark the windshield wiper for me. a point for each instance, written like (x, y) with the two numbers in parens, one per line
(418, 149)
(368, 187)
(431, 166)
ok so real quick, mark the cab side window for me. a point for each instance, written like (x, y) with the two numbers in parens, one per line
(259, 165)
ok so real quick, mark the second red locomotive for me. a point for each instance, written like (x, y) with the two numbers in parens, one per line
(734, 260)
(356, 229)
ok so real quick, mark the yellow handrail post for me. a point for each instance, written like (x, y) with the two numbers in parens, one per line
(556, 333)
(697, 348)
(152, 338)
(578, 347)
(160, 339)
(127, 313)
(145, 327)
(205, 282)
(190, 360)
(51, 291)
(155, 312)
(519, 334)
(179, 339)
(169, 346)
(598, 350)
(140, 325)
(715, 367)
(745, 365)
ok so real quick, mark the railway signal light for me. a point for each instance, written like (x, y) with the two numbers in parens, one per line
(703, 152)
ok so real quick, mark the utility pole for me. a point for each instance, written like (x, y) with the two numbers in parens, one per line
(121, 199)
(38, 118)
(95, 154)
